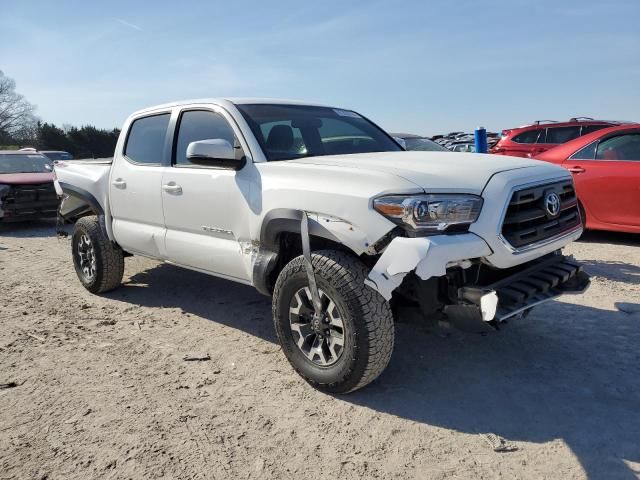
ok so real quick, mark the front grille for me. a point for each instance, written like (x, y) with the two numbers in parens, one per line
(529, 221)
(30, 200)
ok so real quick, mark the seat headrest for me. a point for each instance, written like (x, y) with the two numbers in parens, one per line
(280, 138)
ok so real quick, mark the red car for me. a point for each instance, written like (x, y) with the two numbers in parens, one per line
(542, 135)
(606, 170)
(26, 186)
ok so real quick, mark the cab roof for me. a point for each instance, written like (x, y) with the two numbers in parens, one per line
(231, 101)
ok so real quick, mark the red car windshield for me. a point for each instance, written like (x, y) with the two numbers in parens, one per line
(21, 163)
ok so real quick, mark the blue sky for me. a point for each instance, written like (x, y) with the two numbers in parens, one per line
(417, 66)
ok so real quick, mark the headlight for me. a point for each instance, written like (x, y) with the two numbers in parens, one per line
(426, 213)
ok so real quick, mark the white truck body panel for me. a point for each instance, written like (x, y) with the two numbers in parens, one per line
(214, 224)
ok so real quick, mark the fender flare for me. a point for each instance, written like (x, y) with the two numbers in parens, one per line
(83, 195)
(275, 222)
(288, 220)
(91, 203)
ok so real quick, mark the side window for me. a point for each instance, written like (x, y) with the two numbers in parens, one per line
(586, 153)
(592, 128)
(622, 147)
(562, 134)
(529, 136)
(200, 125)
(145, 143)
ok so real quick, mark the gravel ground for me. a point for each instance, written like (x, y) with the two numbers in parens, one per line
(97, 387)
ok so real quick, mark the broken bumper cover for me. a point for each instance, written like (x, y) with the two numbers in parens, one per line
(533, 283)
(428, 256)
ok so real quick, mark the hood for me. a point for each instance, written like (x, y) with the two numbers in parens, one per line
(433, 171)
(25, 178)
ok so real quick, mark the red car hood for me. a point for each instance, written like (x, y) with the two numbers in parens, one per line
(25, 178)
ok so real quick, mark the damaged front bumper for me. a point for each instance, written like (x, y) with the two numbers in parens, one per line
(18, 202)
(428, 256)
(478, 304)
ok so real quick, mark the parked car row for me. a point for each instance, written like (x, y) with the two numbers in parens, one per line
(463, 142)
(50, 154)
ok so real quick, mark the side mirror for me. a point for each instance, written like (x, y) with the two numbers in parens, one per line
(214, 152)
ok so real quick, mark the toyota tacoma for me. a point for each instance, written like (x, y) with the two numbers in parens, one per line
(324, 211)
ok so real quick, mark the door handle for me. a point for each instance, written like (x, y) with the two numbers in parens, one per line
(172, 188)
(576, 169)
(119, 183)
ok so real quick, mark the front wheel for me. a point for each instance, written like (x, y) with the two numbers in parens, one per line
(99, 263)
(351, 343)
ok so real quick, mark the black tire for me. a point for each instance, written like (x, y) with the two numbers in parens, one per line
(583, 216)
(108, 269)
(368, 322)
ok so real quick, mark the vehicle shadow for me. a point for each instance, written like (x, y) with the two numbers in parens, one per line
(567, 371)
(616, 238)
(221, 301)
(41, 228)
(613, 270)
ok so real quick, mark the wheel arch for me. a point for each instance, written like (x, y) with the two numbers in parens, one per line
(280, 241)
(77, 203)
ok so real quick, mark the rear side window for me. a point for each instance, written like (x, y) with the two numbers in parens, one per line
(529, 136)
(562, 134)
(145, 143)
(198, 125)
(592, 128)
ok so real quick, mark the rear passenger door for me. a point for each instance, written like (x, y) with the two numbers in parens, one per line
(134, 186)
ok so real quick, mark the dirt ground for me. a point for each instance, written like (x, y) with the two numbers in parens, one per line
(101, 389)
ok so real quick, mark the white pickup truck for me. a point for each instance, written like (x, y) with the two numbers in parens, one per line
(322, 209)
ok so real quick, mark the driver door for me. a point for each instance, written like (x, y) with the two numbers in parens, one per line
(205, 207)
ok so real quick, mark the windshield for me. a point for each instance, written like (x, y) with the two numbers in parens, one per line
(424, 145)
(286, 132)
(58, 155)
(20, 163)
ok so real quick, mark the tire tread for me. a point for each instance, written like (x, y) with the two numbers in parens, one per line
(347, 274)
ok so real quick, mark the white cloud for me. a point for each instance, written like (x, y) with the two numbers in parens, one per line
(129, 24)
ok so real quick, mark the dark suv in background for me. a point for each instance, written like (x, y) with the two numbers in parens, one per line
(531, 140)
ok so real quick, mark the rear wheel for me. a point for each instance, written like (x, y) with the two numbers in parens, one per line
(98, 262)
(351, 342)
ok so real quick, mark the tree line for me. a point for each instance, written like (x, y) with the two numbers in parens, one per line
(20, 127)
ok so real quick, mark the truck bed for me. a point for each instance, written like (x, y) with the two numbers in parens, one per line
(83, 185)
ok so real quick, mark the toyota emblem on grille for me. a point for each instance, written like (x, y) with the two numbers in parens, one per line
(552, 204)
